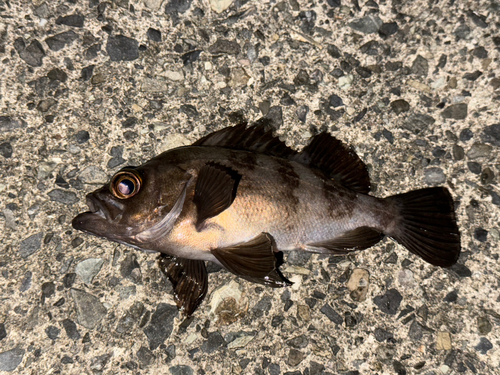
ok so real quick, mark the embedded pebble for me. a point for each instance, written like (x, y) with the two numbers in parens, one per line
(484, 345)
(358, 284)
(224, 46)
(90, 311)
(220, 6)
(331, 314)
(455, 112)
(10, 359)
(389, 302)
(93, 175)
(71, 329)
(479, 150)
(214, 342)
(30, 245)
(59, 41)
(443, 341)
(434, 176)
(122, 48)
(88, 269)
(367, 25)
(491, 134)
(63, 196)
(161, 324)
(6, 150)
(181, 370)
(32, 54)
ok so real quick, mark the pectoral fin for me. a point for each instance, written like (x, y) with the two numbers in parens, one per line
(357, 239)
(257, 260)
(189, 279)
(215, 191)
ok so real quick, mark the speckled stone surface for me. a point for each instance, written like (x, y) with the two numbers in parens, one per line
(87, 87)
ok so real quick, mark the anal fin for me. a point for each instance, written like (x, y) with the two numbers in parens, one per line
(257, 260)
(357, 239)
(189, 279)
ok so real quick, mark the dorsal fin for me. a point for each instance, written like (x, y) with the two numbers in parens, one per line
(337, 161)
(257, 138)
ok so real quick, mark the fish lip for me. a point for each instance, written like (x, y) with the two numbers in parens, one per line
(96, 207)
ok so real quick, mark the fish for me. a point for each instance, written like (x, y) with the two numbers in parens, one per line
(240, 198)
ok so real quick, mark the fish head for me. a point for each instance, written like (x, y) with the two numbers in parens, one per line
(137, 206)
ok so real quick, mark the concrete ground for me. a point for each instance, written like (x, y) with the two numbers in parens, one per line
(87, 87)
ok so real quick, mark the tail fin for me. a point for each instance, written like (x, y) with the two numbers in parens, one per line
(427, 225)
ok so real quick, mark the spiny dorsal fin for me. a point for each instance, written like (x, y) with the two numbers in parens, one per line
(337, 161)
(258, 138)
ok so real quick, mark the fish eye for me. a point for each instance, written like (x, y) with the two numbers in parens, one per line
(125, 184)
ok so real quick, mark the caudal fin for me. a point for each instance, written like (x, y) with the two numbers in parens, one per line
(427, 226)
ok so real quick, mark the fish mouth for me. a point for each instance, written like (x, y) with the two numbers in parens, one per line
(90, 220)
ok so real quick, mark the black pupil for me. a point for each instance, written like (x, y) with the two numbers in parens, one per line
(126, 186)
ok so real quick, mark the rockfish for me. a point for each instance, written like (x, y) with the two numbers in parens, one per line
(239, 197)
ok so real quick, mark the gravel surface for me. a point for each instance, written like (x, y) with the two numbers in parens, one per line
(87, 87)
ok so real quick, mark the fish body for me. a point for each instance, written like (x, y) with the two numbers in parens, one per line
(239, 197)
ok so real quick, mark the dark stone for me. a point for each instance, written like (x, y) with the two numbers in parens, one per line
(480, 234)
(224, 46)
(465, 135)
(474, 167)
(67, 360)
(10, 359)
(307, 20)
(417, 123)
(442, 61)
(46, 104)
(130, 318)
(87, 72)
(263, 306)
(298, 342)
(33, 54)
(287, 100)
(416, 331)
(302, 112)
(316, 368)
(360, 115)
(495, 198)
(298, 258)
(334, 4)
(52, 332)
(461, 270)
(389, 302)
(487, 176)
(274, 369)
(478, 20)
(130, 122)
(75, 20)
(484, 345)
(455, 111)
(367, 25)
(98, 363)
(161, 324)
(191, 57)
(214, 342)
(393, 66)
(451, 297)
(181, 370)
(335, 101)
(420, 66)
(8, 124)
(458, 152)
(275, 117)
(363, 72)
(295, 357)
(6, 150)
(382, 335)
(333, 51)
(57, 75)
(331, 314)
(3, 332)
(177, 6)
(62, 196)
(61, 182)
(48, 289)
(122, 48)
(69, 280)
(388, 28)
(399, 106)
(462, 31)
(71, 329)
(145, 356)
(90, 311)
(59, 41)
(370, 48)
(127, 267)
(484, 326)
(473, 76)
(491, 134)
(30, 245)
(399, 368)
(82, 136)
(154, 35)
(480, 52)
(189, 110)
